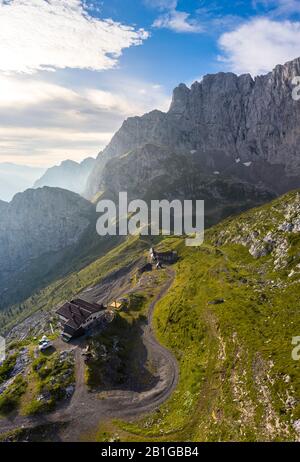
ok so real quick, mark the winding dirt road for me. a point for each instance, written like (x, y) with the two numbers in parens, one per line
(85, 410)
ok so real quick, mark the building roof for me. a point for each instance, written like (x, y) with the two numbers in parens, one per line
(77, 311)
(70, 330)
(166, 254)
(116, 305)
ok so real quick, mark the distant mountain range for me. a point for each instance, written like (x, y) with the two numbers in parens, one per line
(16, 178)
(69, 175)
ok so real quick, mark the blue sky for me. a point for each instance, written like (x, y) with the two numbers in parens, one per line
(168, 55)
(172, 55)
(72, 70)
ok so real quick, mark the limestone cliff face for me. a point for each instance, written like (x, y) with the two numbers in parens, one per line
(39, 222)
(226, 121)
(154, 172)
(3, 206)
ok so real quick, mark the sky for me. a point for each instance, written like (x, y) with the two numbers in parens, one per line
(72, 70)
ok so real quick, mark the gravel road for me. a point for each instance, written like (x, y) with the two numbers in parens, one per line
(85, 410)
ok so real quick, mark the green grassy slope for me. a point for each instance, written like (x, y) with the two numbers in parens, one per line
(238, 380)
(229, 318)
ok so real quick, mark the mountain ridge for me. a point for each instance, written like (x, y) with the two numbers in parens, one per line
(69, 174)
(224, 117)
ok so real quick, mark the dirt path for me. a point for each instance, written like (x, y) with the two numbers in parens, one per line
(85, 410)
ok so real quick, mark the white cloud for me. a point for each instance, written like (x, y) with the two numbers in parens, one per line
(43, 122)
(109, 101)
(9, 133)
(259, 45)
(287, 6)
(172, 19)
(48, 145)
(178, 21)
(125, 99)
(162, 4)
(29, 91)
(280, 7)
(55, 34)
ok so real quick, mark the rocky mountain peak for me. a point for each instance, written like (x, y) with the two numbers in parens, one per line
(180, 98)
(69, 175)
(241, 127)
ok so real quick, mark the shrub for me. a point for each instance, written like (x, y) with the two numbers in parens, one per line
(10, 398)
(6, 367)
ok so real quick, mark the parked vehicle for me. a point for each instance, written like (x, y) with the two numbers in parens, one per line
(44, 343)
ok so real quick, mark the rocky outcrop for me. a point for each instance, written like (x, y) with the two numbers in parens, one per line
(235, 126)
(273, 231)
(68, 175)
